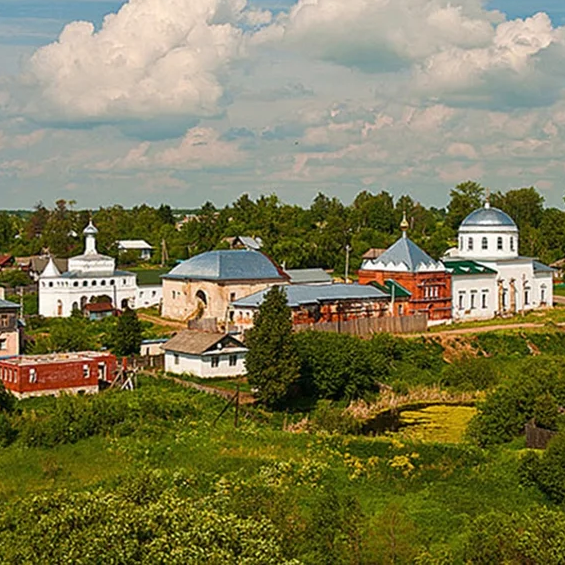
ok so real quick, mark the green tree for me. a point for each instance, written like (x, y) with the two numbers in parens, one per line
(71, 334)
(465, 198)
(272, 362)
(127, 334)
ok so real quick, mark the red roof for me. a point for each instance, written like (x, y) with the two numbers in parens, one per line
(5, 260)
(99, 307)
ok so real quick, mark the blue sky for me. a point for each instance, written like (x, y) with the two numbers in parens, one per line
(192, 100)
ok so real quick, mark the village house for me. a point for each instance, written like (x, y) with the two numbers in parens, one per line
(423, 283)
(489, 277)
(205, 285)
(312, 304)
(142, 249)
(10, 332)
(50, 374)
(91, 277)
(205, 354)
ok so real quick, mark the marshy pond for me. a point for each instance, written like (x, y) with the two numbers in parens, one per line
(445, 423)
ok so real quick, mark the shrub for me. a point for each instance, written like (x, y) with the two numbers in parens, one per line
(471, 373)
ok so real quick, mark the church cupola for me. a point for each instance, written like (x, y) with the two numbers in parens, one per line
(90, 232)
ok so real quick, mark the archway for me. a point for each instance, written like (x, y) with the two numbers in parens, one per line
(201, 295)
(125, 303)
(83, 302)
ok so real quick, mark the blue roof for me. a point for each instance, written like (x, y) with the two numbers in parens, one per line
(541, 268)
(227, 264)
(406, 252)
(488, 217)
(302, 294)
(5, 304)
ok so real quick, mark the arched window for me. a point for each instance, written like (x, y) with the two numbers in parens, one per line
(461, 243)
(75, 306)
(484, 243)
(499, 243)
(201, 295)
(59, 307)
(93, 283)
(75, 283)
(511, 244)
(103, 283)
(84, 283)
(470, 244)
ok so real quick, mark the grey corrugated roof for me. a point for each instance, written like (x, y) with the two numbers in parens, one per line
(539, 267)
(94, 275)
(6, 304)
(227, 264)
(196, 343)
(406, 252)
(251, 242)
(488, 217)
(302, 294)
(305, 276)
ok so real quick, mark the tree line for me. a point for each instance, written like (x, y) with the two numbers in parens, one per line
(297, 237)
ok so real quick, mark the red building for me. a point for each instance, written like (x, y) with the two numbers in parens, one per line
(51, 374)
(417, 283)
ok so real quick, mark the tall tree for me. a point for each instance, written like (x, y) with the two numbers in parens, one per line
(465, 198)
(524, 205)
(127, 334)
(272, 361)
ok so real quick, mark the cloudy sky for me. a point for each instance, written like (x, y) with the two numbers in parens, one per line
(183, 101)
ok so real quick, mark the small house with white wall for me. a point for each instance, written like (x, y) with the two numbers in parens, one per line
(139, 246)
(205, 354)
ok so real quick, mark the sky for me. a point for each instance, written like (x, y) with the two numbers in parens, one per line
(183, 101)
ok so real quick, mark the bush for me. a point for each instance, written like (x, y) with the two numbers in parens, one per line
(471, 373)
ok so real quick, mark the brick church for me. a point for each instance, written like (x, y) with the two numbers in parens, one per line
(416, 282)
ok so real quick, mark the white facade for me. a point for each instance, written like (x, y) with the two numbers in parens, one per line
(489, 278)
(148, 295)
(89, 276)
(207, 365)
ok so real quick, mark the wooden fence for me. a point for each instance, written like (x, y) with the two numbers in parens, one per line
(368, 326)
(147, 361)
(537, 438)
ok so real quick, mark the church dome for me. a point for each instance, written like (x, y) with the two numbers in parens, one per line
(227, 264)
(90, 229)
(488, 217)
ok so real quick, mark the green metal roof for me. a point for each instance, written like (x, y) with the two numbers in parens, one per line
(393, 288)
(467, 268)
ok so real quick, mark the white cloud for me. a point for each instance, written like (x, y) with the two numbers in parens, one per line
(153, 57)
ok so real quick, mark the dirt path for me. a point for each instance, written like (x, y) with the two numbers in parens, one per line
(480, 329)
(162, 321)
(244, 397)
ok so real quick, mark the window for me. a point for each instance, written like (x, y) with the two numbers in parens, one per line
(233, 360)
(103, 283)
(526, 297)
(232, 315)
(50, 283)
(484, 299)
(473, 300)
(461, 243)
(93, 283)
(232, 296)
(84, 283)
(176, 358)
(4, 321)
(484, 243)
(215, 362)
(86, 371)
(75, 283)
(461, 300)
(511, 244)
(3, 344)
(499, 244)
(102, 371)
(542, 294)
(400, 309)
(174, 294)
(124, 281)
(470, 244)
(32, 375)
(112, 282)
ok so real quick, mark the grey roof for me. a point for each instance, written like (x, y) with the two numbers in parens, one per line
(406, 252)
(197, 343)
(302, 294)
(539, 267)
(488, 217)
(95, 275)
(251, 242)
(305, 276)
(227, 264)
(6, 304)
(38, 264)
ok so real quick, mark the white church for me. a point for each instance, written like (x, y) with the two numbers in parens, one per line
(89, 276)
(489, 277)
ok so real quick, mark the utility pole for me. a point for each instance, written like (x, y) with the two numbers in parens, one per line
(347, 250)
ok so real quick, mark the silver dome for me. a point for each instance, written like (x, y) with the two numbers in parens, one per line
(488, 217)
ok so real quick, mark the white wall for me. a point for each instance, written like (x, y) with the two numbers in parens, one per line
(201, 366)
(478, 285)
(148, 295)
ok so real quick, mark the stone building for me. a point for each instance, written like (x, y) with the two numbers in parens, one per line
(10, 333)
(205, 285)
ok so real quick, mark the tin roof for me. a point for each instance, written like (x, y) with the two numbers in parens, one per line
(7, 305)
(47, 358)
(197, 343)
(488, 217)
(305, 276)
(135, 244)
(302, 294)
(227, 264)
(539, 267)
(405, 252)
(467, 268)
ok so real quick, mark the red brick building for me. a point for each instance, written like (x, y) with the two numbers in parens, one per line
(421, 284)
(51, 374)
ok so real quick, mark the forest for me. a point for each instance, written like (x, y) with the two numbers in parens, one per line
(294, 236)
